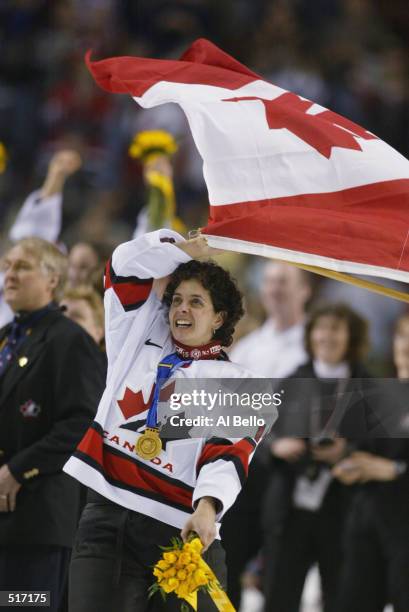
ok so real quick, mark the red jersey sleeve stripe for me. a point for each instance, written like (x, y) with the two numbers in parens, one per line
(131, 290)
(240, 452)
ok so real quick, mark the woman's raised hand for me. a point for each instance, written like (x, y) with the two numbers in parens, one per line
(197, 246)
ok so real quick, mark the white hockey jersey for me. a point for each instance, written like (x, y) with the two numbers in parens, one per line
(137, 338)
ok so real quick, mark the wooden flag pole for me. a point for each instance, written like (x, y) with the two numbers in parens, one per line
(340, 276)
(358, 282)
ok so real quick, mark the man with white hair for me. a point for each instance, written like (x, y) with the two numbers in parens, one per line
(50, 385)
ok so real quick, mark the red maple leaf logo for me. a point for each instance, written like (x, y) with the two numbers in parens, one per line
(322, 131)
(133, 403)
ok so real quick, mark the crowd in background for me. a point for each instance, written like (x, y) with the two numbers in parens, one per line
(349, 55)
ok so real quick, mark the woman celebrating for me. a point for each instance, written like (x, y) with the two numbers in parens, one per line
(144, 489)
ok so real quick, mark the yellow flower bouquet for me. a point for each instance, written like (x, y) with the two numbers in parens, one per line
(154, 148)
(182, 570)
(151, 143)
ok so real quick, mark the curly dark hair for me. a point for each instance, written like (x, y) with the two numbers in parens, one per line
(357, 326)
(224, 293)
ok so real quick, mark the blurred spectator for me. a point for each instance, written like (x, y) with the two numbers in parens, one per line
(41, 213)
(50, 385)
(84, 305)
(305, 507)
(83, 262)
(376, 562)
(276, 349)
(381, 312)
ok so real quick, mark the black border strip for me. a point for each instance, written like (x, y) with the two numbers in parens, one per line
(116, 280)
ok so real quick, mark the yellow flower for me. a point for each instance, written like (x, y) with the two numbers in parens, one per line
(195, 557)
(182, 575)
(162, 565)
(196, 545)
(170, 585)
(170, 573)
(152, 142)
(135, 150)
(157, 572)
(192, 567)
(165, 586)
(185, 558)
(170, 557)
(3, 157)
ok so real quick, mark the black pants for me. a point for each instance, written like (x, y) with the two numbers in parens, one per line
(35, 569)
(376, 566)
(241, 531)
(291, 548)
(111, 567)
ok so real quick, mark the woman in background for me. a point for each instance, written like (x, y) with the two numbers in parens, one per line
(376, 561)
(305, 506)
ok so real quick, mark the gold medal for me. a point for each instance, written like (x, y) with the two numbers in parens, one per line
(149, 443)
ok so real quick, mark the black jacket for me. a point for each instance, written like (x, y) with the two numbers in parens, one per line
(388, 499)
(295, 421)
(48, 397)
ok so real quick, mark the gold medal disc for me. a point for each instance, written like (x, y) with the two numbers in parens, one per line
(149, 444)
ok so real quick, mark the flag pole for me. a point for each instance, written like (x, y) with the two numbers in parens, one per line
(332, 274)
(358, 282)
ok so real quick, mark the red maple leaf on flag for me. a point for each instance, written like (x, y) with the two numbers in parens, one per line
(323, 131)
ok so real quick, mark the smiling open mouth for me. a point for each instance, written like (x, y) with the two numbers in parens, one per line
(182, 323)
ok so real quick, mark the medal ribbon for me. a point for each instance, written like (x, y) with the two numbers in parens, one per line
(166, 367)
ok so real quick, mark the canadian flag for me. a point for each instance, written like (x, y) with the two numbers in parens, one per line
(287, 178)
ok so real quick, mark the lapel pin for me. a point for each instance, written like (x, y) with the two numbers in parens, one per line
(23, 361)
